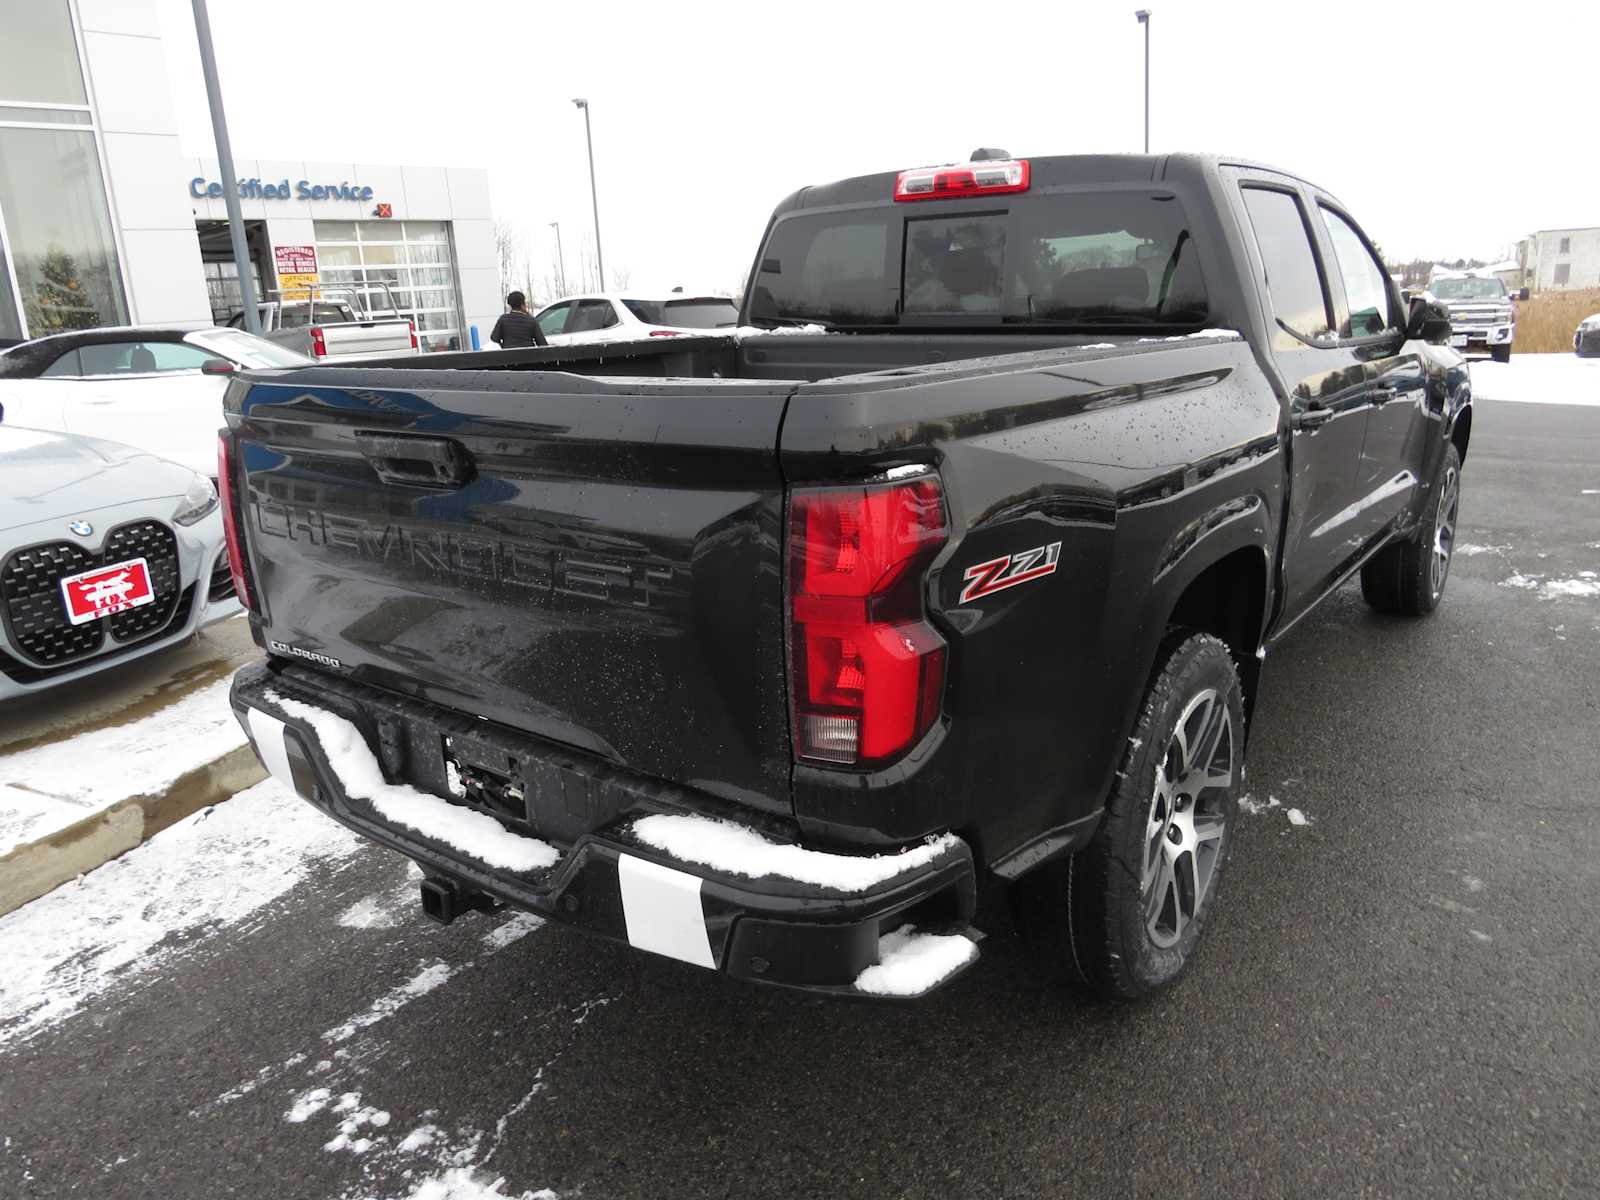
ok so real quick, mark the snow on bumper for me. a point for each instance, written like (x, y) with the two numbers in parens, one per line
(663, 875)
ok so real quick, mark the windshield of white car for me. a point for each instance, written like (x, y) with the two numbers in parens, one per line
(248, 350)
(1468, 287)
(694, 313)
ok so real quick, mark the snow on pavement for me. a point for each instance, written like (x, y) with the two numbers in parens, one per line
(1584, 586)
(1538, 379)
(206, 874)
(59, 783)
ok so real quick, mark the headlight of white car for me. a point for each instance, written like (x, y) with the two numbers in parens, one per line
(197, 503)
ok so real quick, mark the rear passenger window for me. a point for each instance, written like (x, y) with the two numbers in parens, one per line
(592, 315)
(1365, 288)
(1293, 282)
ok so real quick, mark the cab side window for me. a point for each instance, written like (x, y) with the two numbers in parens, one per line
(1365, 288)
(1293, 281)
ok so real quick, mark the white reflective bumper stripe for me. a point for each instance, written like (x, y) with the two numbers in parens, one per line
(662, 909)
(267, 733)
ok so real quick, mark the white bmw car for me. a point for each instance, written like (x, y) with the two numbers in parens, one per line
(157, 389)
(106, 554)
(633, 316)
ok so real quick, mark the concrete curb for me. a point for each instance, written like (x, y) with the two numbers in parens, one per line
(30, 870)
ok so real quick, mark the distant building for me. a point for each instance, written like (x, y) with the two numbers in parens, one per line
(1559, 259)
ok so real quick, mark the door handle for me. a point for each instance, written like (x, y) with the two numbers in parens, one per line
(1313, 417)
(1382, 393)
(417, 461)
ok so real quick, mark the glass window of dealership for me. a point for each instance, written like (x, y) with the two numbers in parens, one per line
(59, 267)
(104, 221)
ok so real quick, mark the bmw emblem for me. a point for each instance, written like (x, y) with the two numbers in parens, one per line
(81, 528)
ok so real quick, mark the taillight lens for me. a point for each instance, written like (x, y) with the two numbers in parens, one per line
(996, 177)
(665, 333)
(412, 330)
(867, 668)
(319, 347)
(230, 523)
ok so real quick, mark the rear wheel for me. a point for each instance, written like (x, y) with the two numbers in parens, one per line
(1501, 353)
(1409, 577)
(1122, 916)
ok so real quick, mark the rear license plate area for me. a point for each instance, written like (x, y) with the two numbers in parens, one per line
(486, 778)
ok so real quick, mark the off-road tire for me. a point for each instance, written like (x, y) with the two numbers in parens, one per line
(1408, 578)
(1087, 918)
(1501, 353)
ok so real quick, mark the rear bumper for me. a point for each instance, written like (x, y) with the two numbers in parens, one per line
(784, 929)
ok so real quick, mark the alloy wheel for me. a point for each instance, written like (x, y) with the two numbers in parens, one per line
(1188, 817)
(1444, 531)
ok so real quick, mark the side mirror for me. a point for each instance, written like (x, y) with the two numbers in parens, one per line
(217, 366)
(1427, 321)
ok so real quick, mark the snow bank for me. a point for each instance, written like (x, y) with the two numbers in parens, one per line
(473, 833)
(158, 902)
(54, 785)
(909, 963)
(1538, 379)
(740, 850)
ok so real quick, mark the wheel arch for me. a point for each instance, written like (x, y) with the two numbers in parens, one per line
(1228, 599)
(1461, 431)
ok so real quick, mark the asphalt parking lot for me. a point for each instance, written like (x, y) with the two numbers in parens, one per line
(1396, 998)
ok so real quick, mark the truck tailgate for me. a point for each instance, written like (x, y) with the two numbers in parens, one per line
(594, 562)
(366, 338)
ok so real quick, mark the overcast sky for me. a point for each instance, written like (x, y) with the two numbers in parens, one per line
(1450, 129)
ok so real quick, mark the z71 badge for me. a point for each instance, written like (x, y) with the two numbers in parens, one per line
(998, 574)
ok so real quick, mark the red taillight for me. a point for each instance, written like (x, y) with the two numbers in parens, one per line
(230, 523)
(412, 330)
(867, 668)
(969, 179)
(319, 348)
(665, 333)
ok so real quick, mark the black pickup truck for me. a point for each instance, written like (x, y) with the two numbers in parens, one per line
(950, 575)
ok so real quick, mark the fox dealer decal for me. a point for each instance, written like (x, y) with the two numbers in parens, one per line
(998, 574)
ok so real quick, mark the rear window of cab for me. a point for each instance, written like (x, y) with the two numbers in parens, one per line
(1101, 257)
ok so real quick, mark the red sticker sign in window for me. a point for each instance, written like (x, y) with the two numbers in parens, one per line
(105, 591)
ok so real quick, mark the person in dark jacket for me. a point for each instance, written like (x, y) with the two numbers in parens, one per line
(516, 328)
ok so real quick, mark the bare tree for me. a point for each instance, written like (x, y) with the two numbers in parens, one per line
(507, 252)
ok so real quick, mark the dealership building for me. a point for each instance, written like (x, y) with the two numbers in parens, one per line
(103, 221)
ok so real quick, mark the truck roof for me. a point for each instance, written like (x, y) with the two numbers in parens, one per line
(1048, 171)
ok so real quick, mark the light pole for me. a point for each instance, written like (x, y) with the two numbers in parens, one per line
(1144, 19)
(561, 259)
(230, 185)
(594, 200)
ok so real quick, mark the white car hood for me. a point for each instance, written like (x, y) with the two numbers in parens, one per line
(56, 475)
